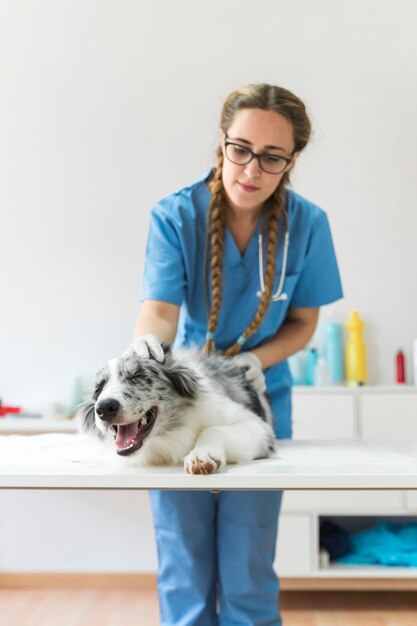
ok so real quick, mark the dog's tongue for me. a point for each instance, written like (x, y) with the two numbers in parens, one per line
(126, 434)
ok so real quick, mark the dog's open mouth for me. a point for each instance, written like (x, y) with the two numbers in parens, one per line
(130, 437)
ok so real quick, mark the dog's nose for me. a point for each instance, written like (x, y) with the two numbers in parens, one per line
(107, 409)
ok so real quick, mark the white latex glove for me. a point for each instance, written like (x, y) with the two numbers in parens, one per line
(147, 345)
(253, 367)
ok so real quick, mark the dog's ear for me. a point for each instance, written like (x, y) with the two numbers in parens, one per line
(167, 348)
(182, 380)
(86, 417)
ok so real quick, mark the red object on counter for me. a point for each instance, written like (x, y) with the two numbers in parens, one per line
(4, 409)
(400, 367)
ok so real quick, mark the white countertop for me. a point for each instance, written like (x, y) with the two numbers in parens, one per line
(69, 461)
(33, 426)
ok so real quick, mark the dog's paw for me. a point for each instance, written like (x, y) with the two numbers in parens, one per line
(200, 462)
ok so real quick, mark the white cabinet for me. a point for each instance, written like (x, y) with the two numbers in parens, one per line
(323, 415)
(346, 501)
(388, 416)
(294, 547)
(375, 413)
(411, 501)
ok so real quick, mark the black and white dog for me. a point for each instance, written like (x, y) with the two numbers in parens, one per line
(195, 409)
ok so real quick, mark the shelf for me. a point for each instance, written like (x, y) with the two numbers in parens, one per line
(33, 426)
(369, 571)
(364, 389)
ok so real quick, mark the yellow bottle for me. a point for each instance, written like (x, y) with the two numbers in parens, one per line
(355, 352)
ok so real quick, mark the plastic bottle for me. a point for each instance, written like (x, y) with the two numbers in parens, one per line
(77, 395)
(333, 351)
(355, 352)
(321, 373)
(400, 367)
(311, 364)
(298, 366)
(415, 361)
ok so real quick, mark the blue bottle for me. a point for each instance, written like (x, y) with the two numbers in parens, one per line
(311, 365)
(333, 351)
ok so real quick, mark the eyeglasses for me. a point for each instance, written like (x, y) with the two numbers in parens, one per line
(269, 163)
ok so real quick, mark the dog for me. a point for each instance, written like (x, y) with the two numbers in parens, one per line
(193, 408)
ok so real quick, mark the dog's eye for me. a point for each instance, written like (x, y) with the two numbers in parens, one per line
(98, 388)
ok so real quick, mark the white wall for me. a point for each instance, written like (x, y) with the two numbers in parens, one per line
(76, 531)
(95, 94)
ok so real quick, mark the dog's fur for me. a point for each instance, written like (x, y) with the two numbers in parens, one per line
(192, 408)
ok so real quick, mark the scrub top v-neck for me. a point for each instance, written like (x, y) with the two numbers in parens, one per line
(245, 258)
(173, 272)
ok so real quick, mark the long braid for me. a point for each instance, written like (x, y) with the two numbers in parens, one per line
(274, 214)
(217, 211)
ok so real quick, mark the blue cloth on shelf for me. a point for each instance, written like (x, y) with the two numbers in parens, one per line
(384, 544)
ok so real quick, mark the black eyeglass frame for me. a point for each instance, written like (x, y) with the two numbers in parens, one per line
(256, 155)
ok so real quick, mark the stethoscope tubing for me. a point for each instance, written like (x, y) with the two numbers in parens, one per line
(279, 295)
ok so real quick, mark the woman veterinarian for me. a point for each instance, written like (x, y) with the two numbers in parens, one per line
(210, 282)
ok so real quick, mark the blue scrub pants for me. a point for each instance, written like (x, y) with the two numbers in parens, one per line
(216, 551)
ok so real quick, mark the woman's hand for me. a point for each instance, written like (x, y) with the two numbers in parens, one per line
(253, 367)
(148, 345)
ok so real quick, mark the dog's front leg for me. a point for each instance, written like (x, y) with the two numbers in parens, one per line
(246, 439)
(208, 454)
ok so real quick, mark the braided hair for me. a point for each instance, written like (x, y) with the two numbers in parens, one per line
(267, 98)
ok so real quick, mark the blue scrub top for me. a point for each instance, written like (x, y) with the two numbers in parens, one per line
(174, 273)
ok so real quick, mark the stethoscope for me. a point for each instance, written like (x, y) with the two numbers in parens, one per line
(279, 294)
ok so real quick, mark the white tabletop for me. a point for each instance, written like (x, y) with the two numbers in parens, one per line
(67, 461)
